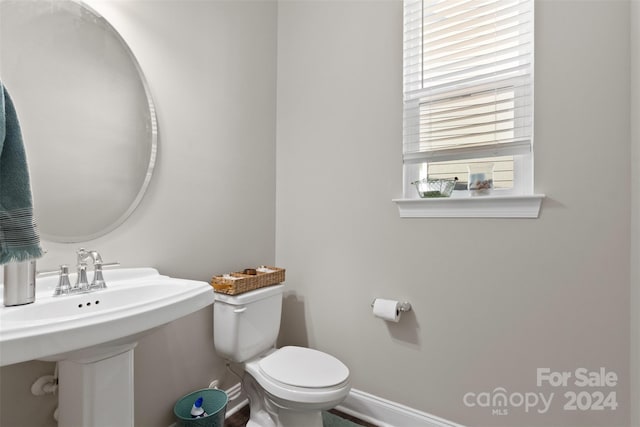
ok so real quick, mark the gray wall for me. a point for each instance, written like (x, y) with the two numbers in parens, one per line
(493, 299)
(211, 205)
(635, 211)
(551, 292)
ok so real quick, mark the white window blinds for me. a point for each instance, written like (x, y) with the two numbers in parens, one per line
(468, 68)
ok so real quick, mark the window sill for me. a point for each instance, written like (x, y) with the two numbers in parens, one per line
(472, 207)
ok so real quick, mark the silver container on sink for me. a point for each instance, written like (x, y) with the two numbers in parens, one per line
(19, 283)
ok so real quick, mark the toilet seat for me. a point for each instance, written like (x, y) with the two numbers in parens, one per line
(304, 367)
(302, 375)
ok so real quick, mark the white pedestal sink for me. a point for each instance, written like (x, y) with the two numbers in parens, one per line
(93, 336)
(97, 392)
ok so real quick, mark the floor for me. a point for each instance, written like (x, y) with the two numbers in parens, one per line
(240, 418)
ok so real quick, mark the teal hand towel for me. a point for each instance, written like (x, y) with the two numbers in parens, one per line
(19, 239)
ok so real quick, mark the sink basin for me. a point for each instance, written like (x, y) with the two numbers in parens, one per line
(136, 301)
(93, 336)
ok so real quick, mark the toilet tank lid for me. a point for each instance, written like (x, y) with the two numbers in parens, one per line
(251, 296)
(304, 367)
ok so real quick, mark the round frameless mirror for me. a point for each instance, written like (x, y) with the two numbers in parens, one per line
(86, 113)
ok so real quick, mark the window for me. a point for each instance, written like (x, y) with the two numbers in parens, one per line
(468, 91)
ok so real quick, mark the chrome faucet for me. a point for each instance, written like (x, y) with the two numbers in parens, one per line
(98, 279)
(82, 284)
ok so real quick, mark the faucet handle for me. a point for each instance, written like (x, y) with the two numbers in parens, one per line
(45, 273)
(110, 264)
(63, 287)
(98, 279)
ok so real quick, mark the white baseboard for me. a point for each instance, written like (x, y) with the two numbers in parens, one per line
(385, 413)
(367, 407)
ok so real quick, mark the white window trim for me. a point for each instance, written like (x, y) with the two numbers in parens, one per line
(518, 202)
(494, 206)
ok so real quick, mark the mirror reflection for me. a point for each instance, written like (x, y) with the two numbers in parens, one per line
(87, 117)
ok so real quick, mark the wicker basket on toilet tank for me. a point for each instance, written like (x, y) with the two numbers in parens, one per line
(248, 280)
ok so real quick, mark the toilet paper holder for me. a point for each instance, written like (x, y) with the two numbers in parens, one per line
(402, 306)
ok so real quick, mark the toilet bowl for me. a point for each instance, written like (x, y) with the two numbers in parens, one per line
(287, 387)
(300, 377)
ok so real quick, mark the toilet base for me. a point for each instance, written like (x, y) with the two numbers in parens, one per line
(264, 412)
(287, 420)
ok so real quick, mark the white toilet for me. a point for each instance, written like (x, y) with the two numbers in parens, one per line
(287, 387)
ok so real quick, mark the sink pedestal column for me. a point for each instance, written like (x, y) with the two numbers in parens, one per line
(97, 391)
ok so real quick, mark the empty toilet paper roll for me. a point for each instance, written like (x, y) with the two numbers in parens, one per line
(386, 309)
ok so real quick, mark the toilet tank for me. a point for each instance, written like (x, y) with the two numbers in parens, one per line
(247, 325)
